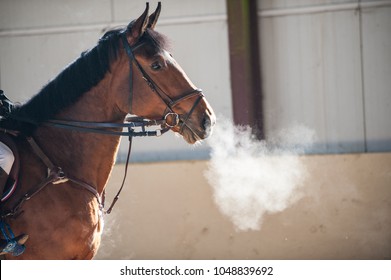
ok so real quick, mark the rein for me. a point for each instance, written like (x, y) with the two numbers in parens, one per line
(130, 123)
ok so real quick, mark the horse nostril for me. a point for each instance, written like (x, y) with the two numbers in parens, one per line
(206, 123)
(209, 120)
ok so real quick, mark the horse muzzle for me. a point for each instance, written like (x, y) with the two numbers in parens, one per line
(197, 129)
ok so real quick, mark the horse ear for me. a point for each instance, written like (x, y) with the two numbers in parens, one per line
(154, 17)
(138, 27)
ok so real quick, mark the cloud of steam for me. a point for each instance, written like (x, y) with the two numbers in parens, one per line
(250, 177)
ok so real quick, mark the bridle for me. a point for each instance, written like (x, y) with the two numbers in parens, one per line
(170, 103)
(169, 120)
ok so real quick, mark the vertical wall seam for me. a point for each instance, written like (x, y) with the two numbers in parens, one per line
(112, 11)
(359, 11)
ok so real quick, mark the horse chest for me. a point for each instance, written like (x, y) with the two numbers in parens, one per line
(76, 234)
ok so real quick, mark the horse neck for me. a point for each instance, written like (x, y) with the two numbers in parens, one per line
(85, 156)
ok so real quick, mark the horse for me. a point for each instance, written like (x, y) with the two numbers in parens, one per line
(68, 135)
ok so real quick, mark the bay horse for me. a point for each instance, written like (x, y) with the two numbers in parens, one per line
(69, 133)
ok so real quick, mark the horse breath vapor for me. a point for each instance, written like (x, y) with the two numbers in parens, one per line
(251, 178)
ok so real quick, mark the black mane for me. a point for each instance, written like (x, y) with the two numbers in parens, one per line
(76, 79)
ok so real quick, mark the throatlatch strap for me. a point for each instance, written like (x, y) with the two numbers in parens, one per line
(131, 56)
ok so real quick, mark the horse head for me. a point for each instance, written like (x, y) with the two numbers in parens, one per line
(151, 84)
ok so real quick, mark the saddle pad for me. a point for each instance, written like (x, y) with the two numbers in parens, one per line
(12, 182)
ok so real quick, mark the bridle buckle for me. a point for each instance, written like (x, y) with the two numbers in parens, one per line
(171, 119)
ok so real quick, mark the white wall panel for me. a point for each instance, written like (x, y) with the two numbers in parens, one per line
(18, 14)
(376, 24)
(283, 4)
(171, 8)
(327, 65)
(312, 76)
(28, 62)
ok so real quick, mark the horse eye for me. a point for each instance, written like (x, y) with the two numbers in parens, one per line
(156, 66)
